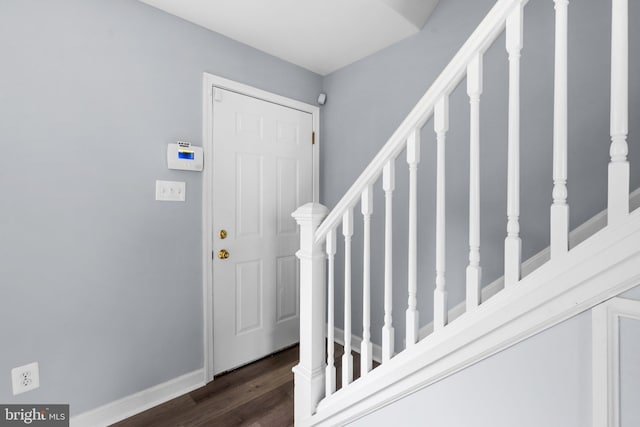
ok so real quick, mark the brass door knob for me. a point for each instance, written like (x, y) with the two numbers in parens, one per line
(223, 254)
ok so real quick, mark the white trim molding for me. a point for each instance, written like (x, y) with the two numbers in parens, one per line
(134, 404)
(209, 81)
(606, 358)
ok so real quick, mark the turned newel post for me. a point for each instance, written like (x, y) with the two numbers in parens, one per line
(309, 374)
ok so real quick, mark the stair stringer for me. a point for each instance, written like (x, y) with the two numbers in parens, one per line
(599, 268)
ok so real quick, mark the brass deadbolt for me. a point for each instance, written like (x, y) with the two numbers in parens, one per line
(222, 234)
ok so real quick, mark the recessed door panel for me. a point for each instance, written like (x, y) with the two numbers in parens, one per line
(287, 198)
(248, 296)
(250, 125)
(249, 194)
(287, 288)
(288, 133)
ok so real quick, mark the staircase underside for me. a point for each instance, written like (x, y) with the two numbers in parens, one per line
(597, 269)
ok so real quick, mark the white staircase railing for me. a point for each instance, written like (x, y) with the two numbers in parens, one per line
(315, 376)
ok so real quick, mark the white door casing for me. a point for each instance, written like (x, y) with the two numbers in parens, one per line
(262, 166)
(606, 361)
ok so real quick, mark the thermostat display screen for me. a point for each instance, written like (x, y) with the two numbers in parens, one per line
(184, 156)
(188, 155)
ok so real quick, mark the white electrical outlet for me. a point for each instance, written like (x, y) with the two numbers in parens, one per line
(25, 378)
(172, 191)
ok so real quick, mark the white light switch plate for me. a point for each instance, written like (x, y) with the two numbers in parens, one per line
(171, 191)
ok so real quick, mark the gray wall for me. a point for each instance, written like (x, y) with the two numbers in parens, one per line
(369, 99)
(543, 381)
(100, 283)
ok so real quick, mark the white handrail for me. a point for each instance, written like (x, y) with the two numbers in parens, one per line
(480, 40)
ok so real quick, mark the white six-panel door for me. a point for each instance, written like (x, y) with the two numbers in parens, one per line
(262, 171)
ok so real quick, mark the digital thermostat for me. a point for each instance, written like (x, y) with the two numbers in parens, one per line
(184, 156)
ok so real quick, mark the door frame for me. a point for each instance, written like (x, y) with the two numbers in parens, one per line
(209, 82)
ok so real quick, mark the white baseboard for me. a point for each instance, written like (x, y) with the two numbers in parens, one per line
(356, 342)
(134, 404)
(576, 236)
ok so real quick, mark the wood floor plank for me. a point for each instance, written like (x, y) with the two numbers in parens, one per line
(221, 402)
(256, 395)
(239, 395)
(271, 409)
(287, 357)
(156, 414)
(281, 414)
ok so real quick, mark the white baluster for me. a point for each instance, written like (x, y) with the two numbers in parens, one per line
(366, 361)
(441, 126)
(347, 358)
(413, 158)
(512, 244)
(618, 203)
(308, 374)
(560, 209)
(331, 369)
(474, 271)
(388, 185)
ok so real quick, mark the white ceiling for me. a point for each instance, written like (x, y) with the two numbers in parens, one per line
(319, 35)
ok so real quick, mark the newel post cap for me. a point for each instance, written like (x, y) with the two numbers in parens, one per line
(311, 212)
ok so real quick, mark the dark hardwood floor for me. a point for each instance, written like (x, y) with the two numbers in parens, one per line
(257, 395)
